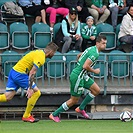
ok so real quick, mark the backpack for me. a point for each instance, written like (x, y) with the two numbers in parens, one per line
(59, 39)
(13, 10)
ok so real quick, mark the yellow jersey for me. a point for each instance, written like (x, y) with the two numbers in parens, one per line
(36, 58)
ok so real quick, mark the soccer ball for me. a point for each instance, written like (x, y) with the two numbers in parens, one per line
(126, 116)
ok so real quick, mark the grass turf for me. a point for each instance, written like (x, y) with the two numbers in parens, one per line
(67, 126)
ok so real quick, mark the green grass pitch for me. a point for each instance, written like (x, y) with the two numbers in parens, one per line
(67, 126)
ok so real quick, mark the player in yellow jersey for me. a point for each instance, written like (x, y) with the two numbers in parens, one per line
(22, 75)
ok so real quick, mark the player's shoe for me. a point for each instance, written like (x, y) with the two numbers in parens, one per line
(54, 118)
(30, 119)
(82, 112)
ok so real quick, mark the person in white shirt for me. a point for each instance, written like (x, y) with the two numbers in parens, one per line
(126, 29)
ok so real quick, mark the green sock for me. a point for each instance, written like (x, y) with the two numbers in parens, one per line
(61, 109)
(87, 100)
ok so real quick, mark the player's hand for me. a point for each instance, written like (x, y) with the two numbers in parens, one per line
(77, 37)
(92, 37)
(97, 70)
(29, 93)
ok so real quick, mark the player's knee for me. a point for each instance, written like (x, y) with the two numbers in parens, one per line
(96, 91)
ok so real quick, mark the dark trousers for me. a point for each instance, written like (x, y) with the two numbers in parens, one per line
(87, 43)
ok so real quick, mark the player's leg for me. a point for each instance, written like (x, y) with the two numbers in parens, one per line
(22, 80)
(7, 96)
(64, 107)
(75, 94)
(11, 88)
(94, 91)
(30, 105)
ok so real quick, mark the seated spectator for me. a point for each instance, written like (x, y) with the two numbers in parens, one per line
(117, 7)
(98, 9)
(89, 33)
(34, 8)
(126, 30)
(80, 6)
(69, 31)
(129, 2)
(54, 7)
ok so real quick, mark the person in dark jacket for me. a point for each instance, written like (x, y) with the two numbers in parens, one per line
(82, 9)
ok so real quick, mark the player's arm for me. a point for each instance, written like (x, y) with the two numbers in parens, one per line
(78, 56)
(87, 66)
(32, 75)
(31, 80)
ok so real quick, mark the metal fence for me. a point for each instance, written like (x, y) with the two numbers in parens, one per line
(116, 71)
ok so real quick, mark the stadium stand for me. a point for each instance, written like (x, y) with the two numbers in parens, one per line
(7, 17)
(4, 37)
(115, 79)
(56, 66)
(119, 64)
(103, 65)
(8, 60)
(19, 33)
(56, 29)
(71, 60)
(41, 35)
(108, 30)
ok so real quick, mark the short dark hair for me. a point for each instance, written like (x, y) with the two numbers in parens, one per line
(100, 37)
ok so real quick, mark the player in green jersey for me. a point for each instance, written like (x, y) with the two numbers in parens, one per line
(79, 80)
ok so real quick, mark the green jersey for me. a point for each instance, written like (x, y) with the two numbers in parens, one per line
(90, 53)
(79, 78)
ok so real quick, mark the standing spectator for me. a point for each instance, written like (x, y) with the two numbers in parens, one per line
(54, 7)
(117, 7)
(89, 33)
(69, 31)
(126, 30)
(34, 7)
(98, 9)
(80, 6)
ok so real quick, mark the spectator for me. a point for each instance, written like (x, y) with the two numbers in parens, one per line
(68, 32)
(117, 6)
(71, 31)
(98, 9)
(129, 2)
(80, 6)
(89, 33)
(126, 30)
(54, 7)
(34, 7)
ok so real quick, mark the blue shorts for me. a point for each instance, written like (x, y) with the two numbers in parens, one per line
(17, 80)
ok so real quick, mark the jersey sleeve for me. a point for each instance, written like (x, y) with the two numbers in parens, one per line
(39, 60)
(93, 56)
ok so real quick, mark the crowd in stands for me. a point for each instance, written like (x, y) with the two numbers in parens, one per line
(80, 19)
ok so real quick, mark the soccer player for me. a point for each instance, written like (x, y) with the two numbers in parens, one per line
(22, 75)
(79, 80)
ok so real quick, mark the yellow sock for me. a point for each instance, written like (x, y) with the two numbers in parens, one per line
(3, 98)
(31, 103)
